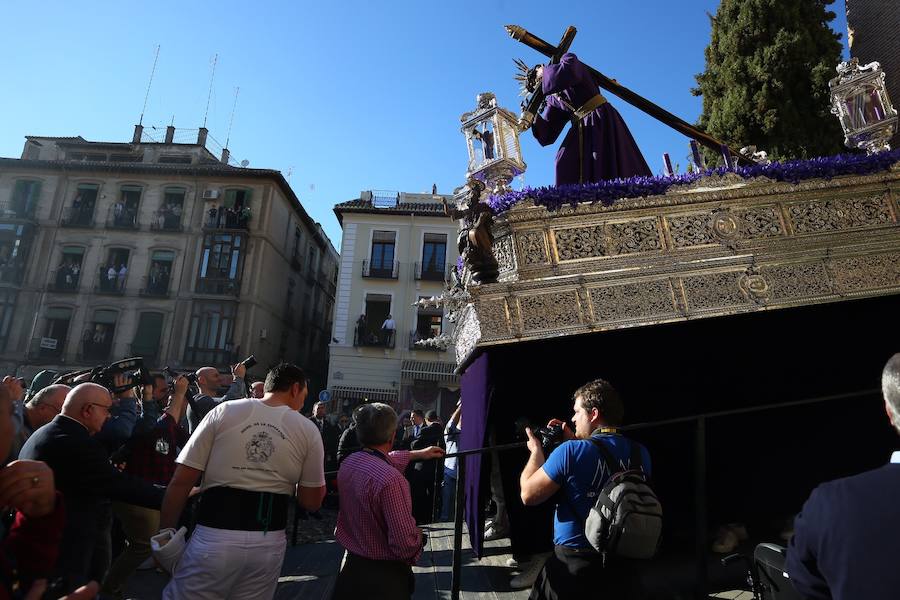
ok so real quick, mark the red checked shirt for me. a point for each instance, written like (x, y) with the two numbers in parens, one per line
(153, 453)
(375, 518)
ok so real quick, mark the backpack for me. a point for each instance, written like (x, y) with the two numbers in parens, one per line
(626, 519)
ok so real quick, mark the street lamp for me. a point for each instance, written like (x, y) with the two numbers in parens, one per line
(860, 100)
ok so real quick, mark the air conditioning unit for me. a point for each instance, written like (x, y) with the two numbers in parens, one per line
(210, 194)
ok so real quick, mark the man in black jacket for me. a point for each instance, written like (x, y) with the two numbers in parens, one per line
(86, 479)
(421, 474)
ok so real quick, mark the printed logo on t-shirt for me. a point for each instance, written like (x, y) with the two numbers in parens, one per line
(162, 446)
(260, 447)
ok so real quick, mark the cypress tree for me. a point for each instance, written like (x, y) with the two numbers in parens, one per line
(766, 80)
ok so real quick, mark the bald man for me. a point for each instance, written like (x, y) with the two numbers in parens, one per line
(209, 380)
(86, 479)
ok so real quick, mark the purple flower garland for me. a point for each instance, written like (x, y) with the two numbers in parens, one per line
(607, 192)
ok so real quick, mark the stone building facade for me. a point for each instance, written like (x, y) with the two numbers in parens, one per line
(110, 250)
(396, 248)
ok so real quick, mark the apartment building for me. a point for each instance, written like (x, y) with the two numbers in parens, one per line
(157, 249)
(395, 249)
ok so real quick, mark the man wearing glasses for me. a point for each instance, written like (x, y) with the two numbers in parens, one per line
(86, 479)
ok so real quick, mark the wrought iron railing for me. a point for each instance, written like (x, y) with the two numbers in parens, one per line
(78, 216)
(381, 270)
(385, 338)
(432, 272)
(122, 216)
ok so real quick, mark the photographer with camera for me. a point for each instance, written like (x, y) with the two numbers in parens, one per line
(87, 480)
(574, 473)
(150, 456)
(209, 380)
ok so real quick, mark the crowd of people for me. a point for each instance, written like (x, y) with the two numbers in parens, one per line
(201, 482)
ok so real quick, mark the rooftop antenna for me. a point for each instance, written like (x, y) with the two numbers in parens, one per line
(231, 122)
(212, 77)
(149, 83)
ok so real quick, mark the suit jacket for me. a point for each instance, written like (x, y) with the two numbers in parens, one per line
(330, 437)
(847, 538)
(87, 480)
(429, 435)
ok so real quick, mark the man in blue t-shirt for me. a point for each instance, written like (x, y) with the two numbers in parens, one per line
(573, 475)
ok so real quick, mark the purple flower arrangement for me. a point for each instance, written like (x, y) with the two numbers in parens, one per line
(607, 192)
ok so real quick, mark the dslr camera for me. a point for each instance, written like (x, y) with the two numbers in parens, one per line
(136, 375)
(173, 375)
(551, 438)
(249, 362)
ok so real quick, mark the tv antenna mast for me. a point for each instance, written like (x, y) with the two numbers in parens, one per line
(212, 78)
(149, 83)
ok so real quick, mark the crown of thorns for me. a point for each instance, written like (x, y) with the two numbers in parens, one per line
(526, 76)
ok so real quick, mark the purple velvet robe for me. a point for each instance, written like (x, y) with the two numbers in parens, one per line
(608, 149)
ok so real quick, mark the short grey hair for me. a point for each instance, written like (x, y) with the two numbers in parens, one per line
(44, 393)
(890, 387)
(376, 424)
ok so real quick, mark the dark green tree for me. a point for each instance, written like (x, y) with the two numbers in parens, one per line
(766, 80)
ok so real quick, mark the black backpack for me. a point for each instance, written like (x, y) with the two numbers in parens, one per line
(626, 519)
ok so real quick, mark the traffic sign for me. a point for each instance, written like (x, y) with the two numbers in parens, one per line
(324, 396)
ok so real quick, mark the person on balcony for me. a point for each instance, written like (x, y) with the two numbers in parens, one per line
(387, 330)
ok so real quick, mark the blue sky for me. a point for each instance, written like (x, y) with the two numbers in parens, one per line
(347, 96)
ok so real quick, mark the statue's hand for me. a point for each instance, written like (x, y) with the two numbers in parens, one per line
(526, 120)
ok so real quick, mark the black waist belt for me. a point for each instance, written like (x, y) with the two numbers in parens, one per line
(242, 510)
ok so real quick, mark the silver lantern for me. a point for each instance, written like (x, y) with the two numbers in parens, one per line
(492, 136)
(860, 100)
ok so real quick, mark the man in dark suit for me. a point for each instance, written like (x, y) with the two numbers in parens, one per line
(330, 435)
(422, 473)
(86, 479)
(847, 538)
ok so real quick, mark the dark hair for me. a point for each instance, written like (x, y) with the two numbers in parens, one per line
(157, 377)
(282, 376)
(417, 412)
(376, 424)
(601, 395)
(431, 415)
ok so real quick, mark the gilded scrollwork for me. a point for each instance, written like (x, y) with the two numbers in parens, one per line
(690, 230)
(860, 273)
(796, 281)
(532, 248)
(549, 311)
(838, 214)
(714, 291)
(493, 316)
(469, 333)
(504, 254)
(760, 222)
(641, 235)
(632, 301)
(581, 242)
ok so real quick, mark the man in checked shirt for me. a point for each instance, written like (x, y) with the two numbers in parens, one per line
(375, 523)
(150, 454)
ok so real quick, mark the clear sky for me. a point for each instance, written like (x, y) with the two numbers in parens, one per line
(346, 95)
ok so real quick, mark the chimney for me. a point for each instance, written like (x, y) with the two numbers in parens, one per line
(225, 156)
(170, 134)
(201, 136)
(138, 132)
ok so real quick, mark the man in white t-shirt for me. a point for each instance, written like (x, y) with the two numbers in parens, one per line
(253, 454)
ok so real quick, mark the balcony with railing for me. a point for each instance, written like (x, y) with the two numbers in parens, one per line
(297, 261)
(431, 272)
(227, 287)
(122, 216)
(415, 336)
(226, 218)
(13, 272)
(155, 286)
(17, 209)
(386, 338)
(380, 270)
(166, 220)
(66, 280)
(110, 282)
(78, 216)
(96, 348)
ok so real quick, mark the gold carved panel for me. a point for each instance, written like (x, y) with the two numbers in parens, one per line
(796, 281)
(645, 299)
(715, 290)
(532, 248)
(872, 272)
(608, 239)
(494, 318)
(837, 214)
(549, 311)
(725, 225)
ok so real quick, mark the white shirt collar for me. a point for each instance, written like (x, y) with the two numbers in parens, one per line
(895, 457)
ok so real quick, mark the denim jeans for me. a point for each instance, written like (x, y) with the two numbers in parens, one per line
(448, 496)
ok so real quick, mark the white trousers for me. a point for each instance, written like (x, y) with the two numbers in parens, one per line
(221, 564)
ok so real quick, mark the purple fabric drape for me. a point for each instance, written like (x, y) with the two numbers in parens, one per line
(475, 387)
(608, 150)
